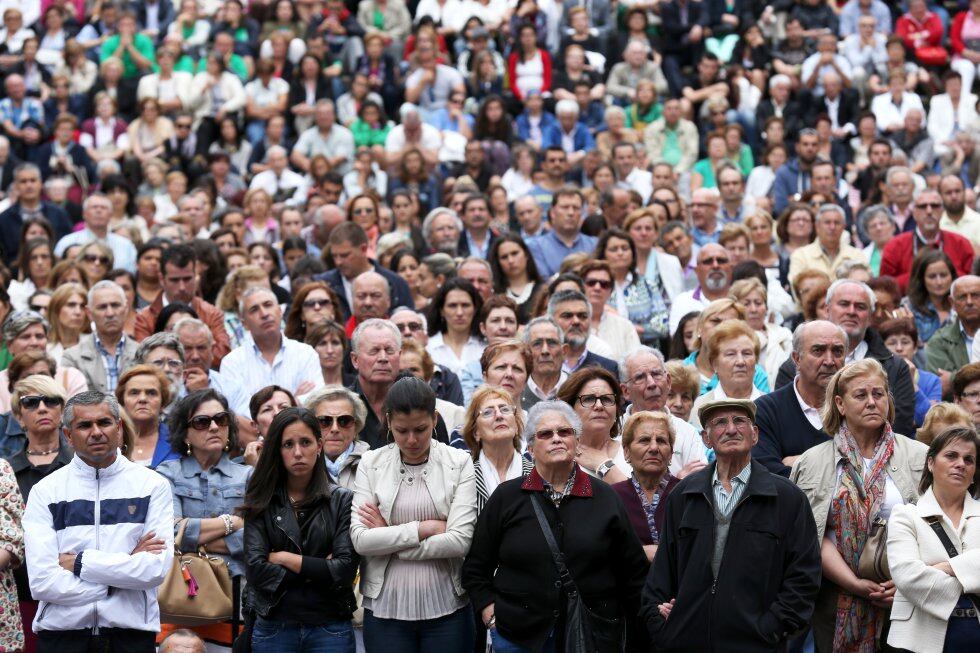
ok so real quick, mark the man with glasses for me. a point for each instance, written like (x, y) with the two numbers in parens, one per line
(646, 384)
(927, 209)
(714, 273)
(735, 514)
(115, 555)
(952, 346)
(547, 343)
(105, 353)
(826, 252)
(966, 390)
(96, 211)
(415, 328)
(180, 281)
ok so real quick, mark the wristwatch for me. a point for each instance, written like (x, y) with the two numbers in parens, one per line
(604, 468)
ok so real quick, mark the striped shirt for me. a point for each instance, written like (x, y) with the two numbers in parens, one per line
(110, 361)
(725, 502)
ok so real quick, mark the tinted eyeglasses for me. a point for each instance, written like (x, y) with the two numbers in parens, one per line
(314, 304)
(203, 422)
(327, 421)
(95, 258)
(564, 432)
(31, 402)
(410, 326)
(605, 284)
(588, 401)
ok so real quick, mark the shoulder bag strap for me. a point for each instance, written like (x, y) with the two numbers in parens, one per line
(937, 525)
(566, 577)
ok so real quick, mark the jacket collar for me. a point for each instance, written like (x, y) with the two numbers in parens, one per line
(876, 346)
(189, 466)
(87, 470)
(760, 481)
(928, 506)
(582, 487)
(19, 461)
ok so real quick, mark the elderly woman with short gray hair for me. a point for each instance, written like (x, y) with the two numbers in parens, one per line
(510, 572)
(341, 415)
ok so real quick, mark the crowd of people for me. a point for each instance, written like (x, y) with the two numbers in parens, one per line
(469, 325)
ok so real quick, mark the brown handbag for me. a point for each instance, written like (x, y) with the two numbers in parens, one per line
(197, 590)
(873, 563)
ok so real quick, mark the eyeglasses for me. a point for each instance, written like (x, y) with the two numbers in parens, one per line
(972, 396)
(316, 303)
(605, 284)
(739, 421)
(93, 258)
(653, 375)
(715, 260)
(31, 402)
(203, 422)
(327, 421)
(183, 125)
(505, 410)
(588, 401)
(168, 363)
(547, 434)
(410, 326)
(929, 205)
(362, 211)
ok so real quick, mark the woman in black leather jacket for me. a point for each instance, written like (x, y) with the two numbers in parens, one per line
(300, 563)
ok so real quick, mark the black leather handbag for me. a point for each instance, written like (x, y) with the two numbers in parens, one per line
(585, 631)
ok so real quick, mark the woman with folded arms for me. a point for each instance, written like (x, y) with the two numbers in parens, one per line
(932, 609)
(299, 561)
(412, 521)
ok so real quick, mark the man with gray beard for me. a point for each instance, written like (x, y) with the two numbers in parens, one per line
(714, 273)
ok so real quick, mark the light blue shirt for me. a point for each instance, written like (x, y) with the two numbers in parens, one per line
(232, 391)
(123, 250)
(549, 251)
(295, 363)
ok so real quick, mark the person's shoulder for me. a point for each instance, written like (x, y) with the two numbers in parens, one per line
(777, 398)
(458, 457)
(816, 454)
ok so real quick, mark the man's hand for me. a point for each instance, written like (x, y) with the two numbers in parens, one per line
(149, 543)
(690, 468)
(196, 379)
(789, 460)
(665, 609)
(67, 561)
(304, 387)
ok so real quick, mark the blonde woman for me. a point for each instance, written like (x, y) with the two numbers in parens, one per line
(231, 293)
(940, 417)
(714, 314)
(776, 341)
(733, 351)
(857, 477)
(96, 259)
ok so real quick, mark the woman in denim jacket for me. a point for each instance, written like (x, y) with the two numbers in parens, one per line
(207, 487)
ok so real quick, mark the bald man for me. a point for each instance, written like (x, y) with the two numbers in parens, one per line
(714, 273)
(372, 297)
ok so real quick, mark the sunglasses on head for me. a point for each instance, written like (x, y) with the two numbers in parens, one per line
(203, 422)
(31, 402)
(343, 421)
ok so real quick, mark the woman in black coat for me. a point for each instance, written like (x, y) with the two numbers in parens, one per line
(300, 563)
(510, 573)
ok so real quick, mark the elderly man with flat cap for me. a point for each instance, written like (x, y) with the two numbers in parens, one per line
(734, 534)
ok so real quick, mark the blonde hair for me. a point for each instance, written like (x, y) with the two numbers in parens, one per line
(832, 418)
(36, 384)
(729, 330)
(714, 308)
(642, 417)
(939, 418)
(236, 284)
(428, 366)
(733, 231)
(745, 287)
(473, 410)
(759, 215)
(684, 378)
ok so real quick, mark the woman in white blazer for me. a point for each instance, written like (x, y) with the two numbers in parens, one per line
(931, 611)
(412, 522)
(178, 95)
(218, 92)
(950, 112)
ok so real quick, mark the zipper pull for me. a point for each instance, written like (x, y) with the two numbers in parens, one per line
(714, 586)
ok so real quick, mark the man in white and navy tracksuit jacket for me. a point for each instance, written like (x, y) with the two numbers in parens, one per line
(99, 540)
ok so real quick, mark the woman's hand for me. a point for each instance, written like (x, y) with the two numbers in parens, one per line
(290, 561)
(866, 588)
(885, 597)
(252, 452)
(590, 458)
(431, 527)
(945, 567)
(371, 516)
(665, 609)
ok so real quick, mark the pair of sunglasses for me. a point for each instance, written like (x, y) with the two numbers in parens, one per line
(203, 422)
(31, 402)
(343, 421)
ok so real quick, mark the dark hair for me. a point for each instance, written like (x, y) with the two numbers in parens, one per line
(269, 477)
(678, 349)
(273, 255)
(115, 273)
(320, 330)
(750, 269)
(224, 231)
(918, 296)
(295, 327)
(437, 323)
(397, 257)
(569, 390)
(408, 394)
(499, 131)
(603, 242)
(264, 395)
(944, 439)
(207, 252)
(40, 221)
(167, 312)
(901, 326)
(499, 278)
(179, 256)
(24, 256)
(348, 232)
(183, 410)
(158, 244)
(119, 182)
(782, 222)
(964, 377)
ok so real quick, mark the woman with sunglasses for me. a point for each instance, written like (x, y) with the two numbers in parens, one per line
(38, 401)
(597, 398)
(300, 563)
(412, 520)
(341, 415)
(96, 259)
(314, 303)
(207, 488)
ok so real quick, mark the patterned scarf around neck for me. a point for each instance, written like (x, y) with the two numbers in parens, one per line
(856, 502)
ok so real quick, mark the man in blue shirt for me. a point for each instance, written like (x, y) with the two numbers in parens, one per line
(550, 249)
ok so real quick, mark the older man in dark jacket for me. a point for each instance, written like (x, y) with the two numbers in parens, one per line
(738, 568)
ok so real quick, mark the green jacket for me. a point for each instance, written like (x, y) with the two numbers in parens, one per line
(946, 349)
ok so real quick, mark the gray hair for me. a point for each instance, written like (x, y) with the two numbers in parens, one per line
(539, 410)
(392, 240)
(850, 265)
(828, 207)
(800, 333)
(952, 286)
(567, 296)
(331, 392)
(89, 398)
(613, 111)
(642, 349)
(896, 170)
(874, 211)
(421, 316)
(435, 213)
(776, 80)
(96, 196)
(566, 106)
(440, 263)
(254, 290)
(165, 339)
(192, 323)
(477, 260)
(374, 323)
(544, 319)
(19, 321)
(105, 284)
(872, 299)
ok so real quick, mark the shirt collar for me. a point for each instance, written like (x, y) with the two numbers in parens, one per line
(742, 477)
(581, 487)
(566, 369)
(101, 348)
(190, 467)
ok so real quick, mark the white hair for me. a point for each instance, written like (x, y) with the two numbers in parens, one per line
(541, 408)
(840, 283)
(374, 323)
(566, 106)
(105, 284)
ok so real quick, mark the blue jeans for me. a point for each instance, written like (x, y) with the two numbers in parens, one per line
(285, 637)
(501, 645)
(453, 632)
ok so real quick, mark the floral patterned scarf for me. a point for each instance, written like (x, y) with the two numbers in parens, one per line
(857, 500)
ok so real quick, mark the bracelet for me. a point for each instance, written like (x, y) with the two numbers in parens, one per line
(604, 468)
(229, 524)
